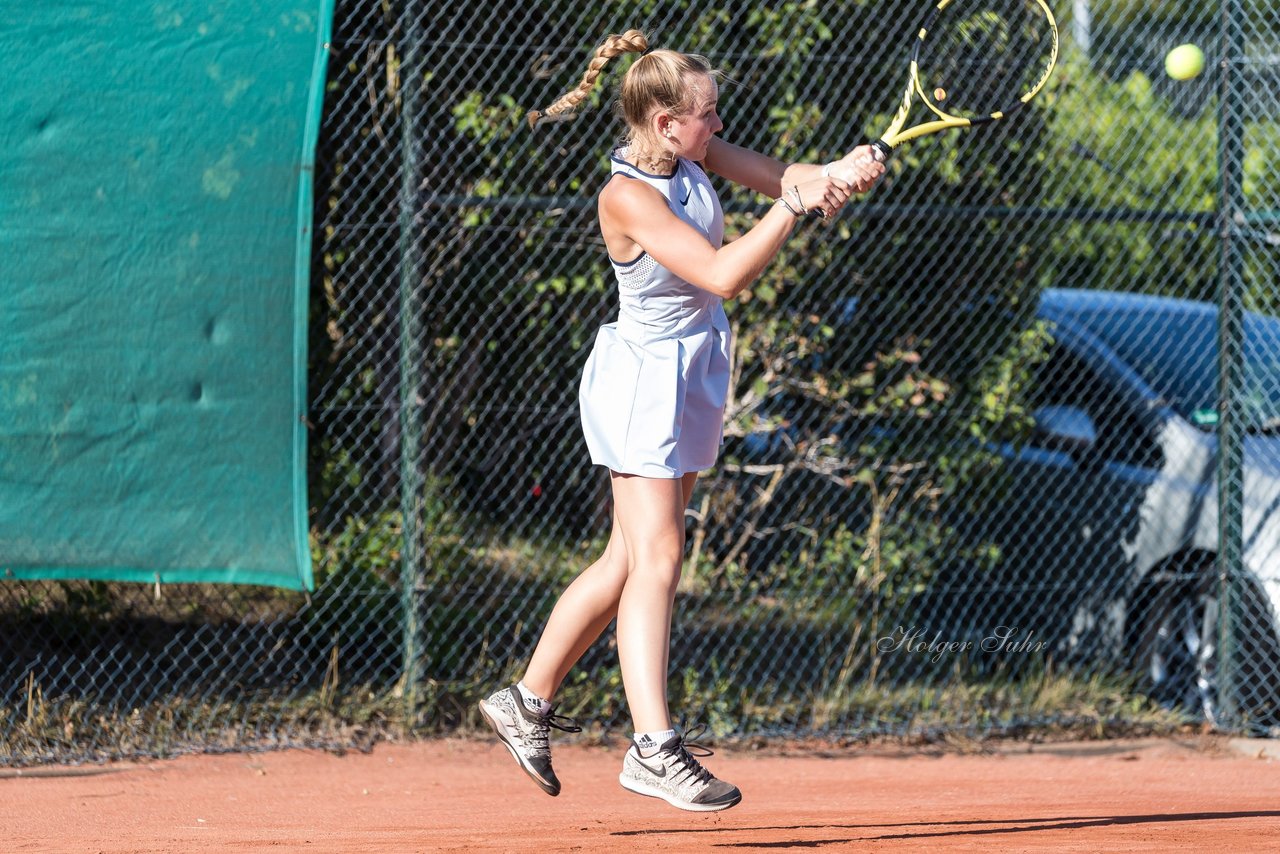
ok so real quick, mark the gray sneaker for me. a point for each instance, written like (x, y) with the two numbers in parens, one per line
(525, 734)
(674, 775)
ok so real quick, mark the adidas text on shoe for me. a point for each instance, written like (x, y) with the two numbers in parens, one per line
(525, 733)
(675, 776)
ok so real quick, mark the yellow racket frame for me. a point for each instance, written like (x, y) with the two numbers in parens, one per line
(895, 135)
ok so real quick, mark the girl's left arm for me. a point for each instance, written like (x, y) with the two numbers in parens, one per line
(768, 175)
(755, 171)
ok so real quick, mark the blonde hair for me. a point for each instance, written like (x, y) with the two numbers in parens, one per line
(657, 80)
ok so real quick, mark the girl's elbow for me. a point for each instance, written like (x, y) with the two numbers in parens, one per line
(725, 288)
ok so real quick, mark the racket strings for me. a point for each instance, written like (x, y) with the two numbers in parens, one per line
(980, 58)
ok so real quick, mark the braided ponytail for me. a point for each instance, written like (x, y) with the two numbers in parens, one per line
(632, 41)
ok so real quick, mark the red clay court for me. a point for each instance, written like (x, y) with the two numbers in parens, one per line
(458, 795)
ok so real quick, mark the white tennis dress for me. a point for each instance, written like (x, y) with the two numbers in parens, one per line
(653, 391)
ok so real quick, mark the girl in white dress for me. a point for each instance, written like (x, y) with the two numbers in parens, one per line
(653, 394)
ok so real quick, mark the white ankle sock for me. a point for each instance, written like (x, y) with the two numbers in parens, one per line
(532, 701)
(649, 742)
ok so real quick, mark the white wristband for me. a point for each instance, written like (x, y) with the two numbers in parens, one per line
(826, 170)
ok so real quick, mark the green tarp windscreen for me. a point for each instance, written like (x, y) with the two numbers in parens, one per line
(155, 230)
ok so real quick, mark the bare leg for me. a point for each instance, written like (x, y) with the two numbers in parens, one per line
(650, 513)
(591, 601)
(580, 615)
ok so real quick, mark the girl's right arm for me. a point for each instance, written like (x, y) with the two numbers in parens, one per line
(636, 216)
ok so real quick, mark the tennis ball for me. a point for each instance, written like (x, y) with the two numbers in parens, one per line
(1184, 62)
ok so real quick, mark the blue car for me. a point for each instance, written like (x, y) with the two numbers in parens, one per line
(1108, 532)
(1120, 479)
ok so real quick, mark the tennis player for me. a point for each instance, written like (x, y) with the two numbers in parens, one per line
(653, 395)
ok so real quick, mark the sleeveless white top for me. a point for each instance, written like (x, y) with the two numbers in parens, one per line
(653, 392)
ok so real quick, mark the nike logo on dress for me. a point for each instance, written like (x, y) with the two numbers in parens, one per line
(688, 193)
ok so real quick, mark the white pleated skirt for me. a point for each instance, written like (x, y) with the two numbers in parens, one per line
(654, 406)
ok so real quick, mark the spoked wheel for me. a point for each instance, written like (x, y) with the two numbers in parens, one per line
(1177, 650)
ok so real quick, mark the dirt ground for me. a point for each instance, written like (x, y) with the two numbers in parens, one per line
(455, 795)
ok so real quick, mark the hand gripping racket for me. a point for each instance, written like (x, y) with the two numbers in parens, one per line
(974, 62)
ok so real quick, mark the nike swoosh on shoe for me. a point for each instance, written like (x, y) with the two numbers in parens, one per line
(661, 771)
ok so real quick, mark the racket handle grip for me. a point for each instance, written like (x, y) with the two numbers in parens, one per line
(881, 150)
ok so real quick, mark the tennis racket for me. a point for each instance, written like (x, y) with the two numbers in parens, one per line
(974, 62)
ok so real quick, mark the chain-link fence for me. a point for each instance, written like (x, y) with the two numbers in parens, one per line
(979, 432)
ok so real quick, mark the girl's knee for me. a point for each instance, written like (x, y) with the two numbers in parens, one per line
(617, 557)
(618, 566)
(661, 550)
(657, 565)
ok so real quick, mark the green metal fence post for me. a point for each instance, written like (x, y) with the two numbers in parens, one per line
(1230, 351)
(410, 401)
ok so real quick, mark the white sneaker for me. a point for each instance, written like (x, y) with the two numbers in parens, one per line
(675, 776)
(525, 733)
